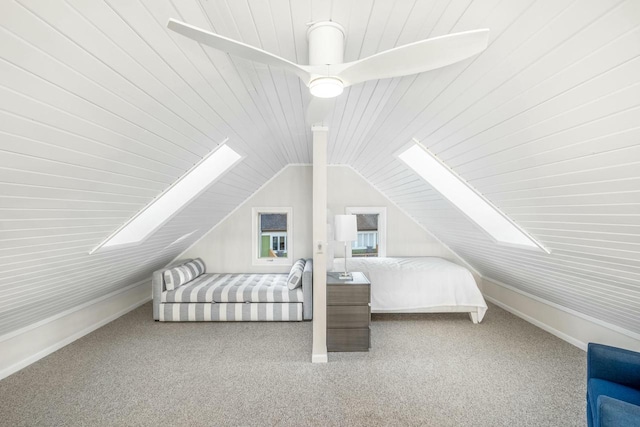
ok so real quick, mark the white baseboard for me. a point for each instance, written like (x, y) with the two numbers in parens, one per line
(571, 326)
(21, 348)
(319, 358)
(539, 324)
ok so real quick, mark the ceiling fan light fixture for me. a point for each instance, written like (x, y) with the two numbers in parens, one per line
(326, 87)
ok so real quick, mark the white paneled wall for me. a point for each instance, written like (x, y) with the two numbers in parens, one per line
(544, 124)
(404, 237)
(227, 247)
(102, 108)
(100, 111)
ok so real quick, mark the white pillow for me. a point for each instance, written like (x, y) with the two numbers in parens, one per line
(295, 275)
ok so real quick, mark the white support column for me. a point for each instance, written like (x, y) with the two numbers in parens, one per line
(319, 352)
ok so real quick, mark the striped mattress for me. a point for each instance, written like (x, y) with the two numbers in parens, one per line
(246, 288)
(232, 297)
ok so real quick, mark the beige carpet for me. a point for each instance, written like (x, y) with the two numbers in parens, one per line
(423, 370)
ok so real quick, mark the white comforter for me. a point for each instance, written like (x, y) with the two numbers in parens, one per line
(420, 283)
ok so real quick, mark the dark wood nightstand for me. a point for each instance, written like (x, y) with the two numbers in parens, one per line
(348, 313)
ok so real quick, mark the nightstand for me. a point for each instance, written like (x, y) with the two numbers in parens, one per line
(348, 313)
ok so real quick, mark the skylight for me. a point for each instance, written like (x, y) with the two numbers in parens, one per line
(466, 198)
(176, 197)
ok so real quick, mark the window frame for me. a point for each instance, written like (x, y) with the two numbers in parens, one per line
(255, 233)
(381, 211)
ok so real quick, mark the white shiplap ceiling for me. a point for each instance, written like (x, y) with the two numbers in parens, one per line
(102, 108)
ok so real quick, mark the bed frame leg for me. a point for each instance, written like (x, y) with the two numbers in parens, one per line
(473, 315)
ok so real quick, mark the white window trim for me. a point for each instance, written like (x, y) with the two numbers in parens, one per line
(255, 231)
(382, 226)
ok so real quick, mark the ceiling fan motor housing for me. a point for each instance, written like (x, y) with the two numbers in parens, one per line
(326, 43)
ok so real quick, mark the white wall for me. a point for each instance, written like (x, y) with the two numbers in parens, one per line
(576, 328)
(404, 236)
(227, 246)
(25, 346)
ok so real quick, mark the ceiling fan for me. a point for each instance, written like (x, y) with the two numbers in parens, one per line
(327, 75)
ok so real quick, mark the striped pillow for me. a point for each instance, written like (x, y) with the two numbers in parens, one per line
(182, 274)
(295, 275)
(199, 265)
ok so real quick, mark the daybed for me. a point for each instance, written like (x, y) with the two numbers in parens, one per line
(419, 285)
(184, 292)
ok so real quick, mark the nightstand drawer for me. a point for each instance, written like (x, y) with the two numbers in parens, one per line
(348, 295)
(348, 312)
(348, 316)
(348, 339)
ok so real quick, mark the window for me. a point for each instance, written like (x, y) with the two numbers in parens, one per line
(444, 180)
(367, 243)
(272, 236)
(371, 222)
(279, 238)
(171, 201)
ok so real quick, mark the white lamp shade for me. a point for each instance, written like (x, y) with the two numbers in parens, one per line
(346, 228)
(326, 87)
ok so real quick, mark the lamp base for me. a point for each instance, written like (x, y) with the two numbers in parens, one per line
(345, 276)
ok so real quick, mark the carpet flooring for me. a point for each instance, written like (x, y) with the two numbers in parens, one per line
(423, 370)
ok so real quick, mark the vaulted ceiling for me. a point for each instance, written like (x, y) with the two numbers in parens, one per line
(102, 108)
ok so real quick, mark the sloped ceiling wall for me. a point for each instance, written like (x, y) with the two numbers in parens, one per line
(548, 132)
(101, 108)
(100, 111)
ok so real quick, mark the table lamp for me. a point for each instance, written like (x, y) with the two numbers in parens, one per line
(346, 230)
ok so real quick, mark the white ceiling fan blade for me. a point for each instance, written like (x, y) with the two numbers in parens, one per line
(319, 109)
(415, 57)
(237, 48)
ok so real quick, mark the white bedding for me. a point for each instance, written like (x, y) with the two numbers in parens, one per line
(420, 284)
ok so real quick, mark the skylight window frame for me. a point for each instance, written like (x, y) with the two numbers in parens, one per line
(538, 246)
(103, 247)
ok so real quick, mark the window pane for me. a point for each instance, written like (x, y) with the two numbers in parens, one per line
(273, 235)
(367, 243)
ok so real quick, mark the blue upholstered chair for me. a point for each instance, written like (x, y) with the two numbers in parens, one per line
(613, 387)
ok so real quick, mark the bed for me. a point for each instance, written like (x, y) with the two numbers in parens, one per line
(184, 292)
(419, 285)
